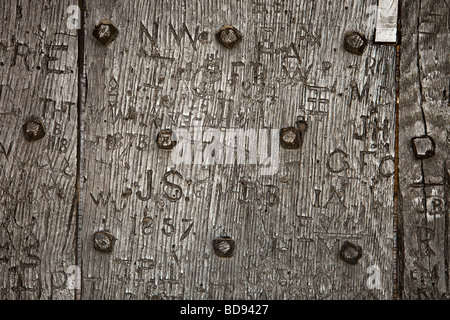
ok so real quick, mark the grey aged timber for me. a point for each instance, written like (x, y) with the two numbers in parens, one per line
(92, 119)
(424, 183)
(166, 70)
(38, 91)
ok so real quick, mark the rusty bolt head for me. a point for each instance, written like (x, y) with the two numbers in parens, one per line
(290, 138)
(228, 36)
(423, 147)
(105, 31)
(355, 42)
(350, 253)
(166, 139)
(224, 247)
(104, 241)
(33, 129)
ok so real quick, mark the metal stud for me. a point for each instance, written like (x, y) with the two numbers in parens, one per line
(350, 253)
(166, 139)
(302, 125)
(224, 247)
(228, 36)
(105, 31)
(291, 138)
(104, 241)
(33, 129)
(423, 147)
(355, 42)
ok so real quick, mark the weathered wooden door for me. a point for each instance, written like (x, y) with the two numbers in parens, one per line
(229, 149)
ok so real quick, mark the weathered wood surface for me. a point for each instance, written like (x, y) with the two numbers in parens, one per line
(38, 78)
(166, 70)
(424, 183)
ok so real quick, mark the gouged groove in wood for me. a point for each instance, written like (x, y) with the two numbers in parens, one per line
(296, 220)
(423, 207)
(81, 101)
(419, 71)
(396, 294)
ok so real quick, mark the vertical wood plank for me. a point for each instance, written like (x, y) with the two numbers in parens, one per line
(165, 70)
(424, 183)
(38, 55)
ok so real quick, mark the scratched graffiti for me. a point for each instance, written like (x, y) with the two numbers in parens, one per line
(198, 126)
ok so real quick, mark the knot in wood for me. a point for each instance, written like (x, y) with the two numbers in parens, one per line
(33, 129)
(228, 36)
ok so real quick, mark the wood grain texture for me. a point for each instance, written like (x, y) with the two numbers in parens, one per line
(424, 183)
(37, 179)
(166, 70)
